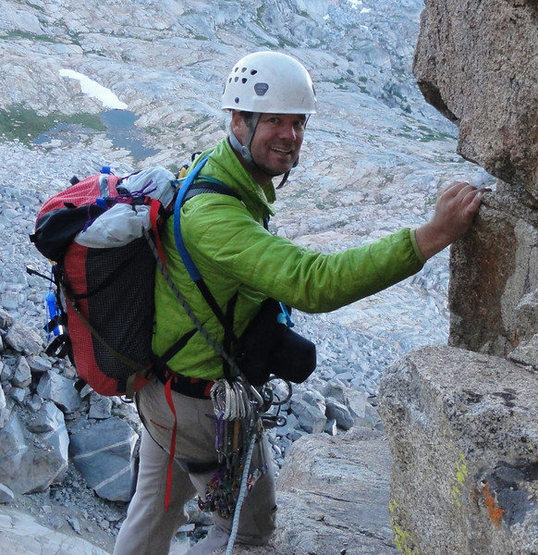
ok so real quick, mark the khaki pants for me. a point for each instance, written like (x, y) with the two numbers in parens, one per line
(148, 528)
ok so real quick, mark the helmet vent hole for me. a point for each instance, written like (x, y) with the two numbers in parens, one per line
(253, 71)
(235, 69)
(243, 69)
(244, 80)
(261, 88)
(236, 100)
(236, 79)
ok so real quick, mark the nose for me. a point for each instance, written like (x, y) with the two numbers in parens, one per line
(288, 131)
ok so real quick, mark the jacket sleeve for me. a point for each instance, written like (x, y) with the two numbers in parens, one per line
(225, 242)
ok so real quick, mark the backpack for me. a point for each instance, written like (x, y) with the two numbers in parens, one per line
(101, 234)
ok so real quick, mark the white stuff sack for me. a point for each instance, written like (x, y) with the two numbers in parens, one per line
(123, 223)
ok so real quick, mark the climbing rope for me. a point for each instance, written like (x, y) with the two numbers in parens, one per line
(240, 497)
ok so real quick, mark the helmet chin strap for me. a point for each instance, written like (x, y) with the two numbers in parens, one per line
(287, 174)
(238, 147)
(244, 150)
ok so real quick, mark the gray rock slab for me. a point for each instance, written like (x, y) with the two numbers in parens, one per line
(17, 394)
(47, 419)
(309, 408)
(60, 390)
(463, 432)
(102, 453)
(31, 462)
(38, 364)
(333, 495)
(6, 494)
(23, 339)
(23, 375)
(310, 417)
(100, 406)
(21, 533)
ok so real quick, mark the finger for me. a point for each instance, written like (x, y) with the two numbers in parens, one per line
(469, 193)
(453, 189)
(474, 201)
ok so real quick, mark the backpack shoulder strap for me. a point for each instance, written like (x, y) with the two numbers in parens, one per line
(188, 190)
(207, 186)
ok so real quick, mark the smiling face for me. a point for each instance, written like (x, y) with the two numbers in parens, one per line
(276, 143)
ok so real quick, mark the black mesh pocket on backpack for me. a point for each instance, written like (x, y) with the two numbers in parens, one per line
(120, 285)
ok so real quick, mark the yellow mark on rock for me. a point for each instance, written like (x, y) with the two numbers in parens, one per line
(461, 475)
(402, 538)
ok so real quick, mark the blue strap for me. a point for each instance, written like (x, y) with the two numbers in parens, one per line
(284, 317)
(185, 256)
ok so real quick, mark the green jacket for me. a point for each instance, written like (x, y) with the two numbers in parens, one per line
(234, 253)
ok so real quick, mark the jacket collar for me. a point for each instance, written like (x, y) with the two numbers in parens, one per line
(224, 165)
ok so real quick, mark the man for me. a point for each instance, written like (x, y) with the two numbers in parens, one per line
(271, 97)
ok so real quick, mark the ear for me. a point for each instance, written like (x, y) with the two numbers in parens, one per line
(238, 126)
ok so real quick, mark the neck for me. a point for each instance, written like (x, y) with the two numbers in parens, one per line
(244, 156)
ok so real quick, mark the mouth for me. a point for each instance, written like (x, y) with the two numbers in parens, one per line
(286, 151)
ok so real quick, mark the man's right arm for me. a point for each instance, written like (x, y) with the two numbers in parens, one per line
(230, 248)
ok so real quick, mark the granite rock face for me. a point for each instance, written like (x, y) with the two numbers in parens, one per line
(462, 426)
(493, 289)
(333, 495)
(477, 63)
(463, 433)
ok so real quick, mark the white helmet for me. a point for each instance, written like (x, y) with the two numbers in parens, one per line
(269, 82)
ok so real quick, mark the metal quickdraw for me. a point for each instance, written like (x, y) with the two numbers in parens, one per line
(237, 407)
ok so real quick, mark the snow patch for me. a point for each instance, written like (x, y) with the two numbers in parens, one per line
(95, 90)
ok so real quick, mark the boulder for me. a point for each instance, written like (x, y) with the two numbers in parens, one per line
(60, 390)
(332, 495)
(493, 288)
(32, 462)
(477, 63)
(102, 454)
(340, 413)
(39, 364)
(24, 340)
(21, 533)
(463, 434)
(47, 419)
(309, 408)
(23, 375)
(100, 406)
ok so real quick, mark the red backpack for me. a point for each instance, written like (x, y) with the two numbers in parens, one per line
(96, 232)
